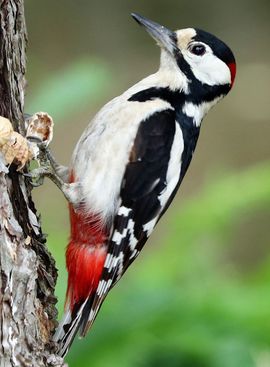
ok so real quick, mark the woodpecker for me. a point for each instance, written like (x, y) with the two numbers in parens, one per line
(130, 162)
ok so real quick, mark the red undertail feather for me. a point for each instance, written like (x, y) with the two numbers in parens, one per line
(85, 255)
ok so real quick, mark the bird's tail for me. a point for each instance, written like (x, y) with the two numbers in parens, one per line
(80, 319)
(68, 328)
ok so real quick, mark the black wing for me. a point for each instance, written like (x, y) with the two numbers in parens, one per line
(143, 182)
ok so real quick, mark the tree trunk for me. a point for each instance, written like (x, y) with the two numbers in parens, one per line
(27, 269)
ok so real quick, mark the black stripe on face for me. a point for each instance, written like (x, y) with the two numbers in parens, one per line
(200, 92)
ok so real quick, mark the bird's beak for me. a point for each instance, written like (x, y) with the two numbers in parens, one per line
(164, 37)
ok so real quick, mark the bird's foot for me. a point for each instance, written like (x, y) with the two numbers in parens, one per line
(47, 168)
(37, 175)
(56, 173)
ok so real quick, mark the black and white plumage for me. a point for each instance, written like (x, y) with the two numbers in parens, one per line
(131, 160)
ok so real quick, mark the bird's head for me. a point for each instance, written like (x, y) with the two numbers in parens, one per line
(205, 60)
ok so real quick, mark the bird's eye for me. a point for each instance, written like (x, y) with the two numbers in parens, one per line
(198, 49)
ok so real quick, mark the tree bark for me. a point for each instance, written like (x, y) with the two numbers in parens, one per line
(27, 269)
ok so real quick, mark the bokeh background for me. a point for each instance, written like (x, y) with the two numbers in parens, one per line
(199, 295)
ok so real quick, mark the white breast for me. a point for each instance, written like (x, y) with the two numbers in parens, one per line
(101, 155)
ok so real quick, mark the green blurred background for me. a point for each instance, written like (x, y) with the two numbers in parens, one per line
(199, 296)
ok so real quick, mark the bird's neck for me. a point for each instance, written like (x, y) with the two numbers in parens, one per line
(189, 97)
(185, 108)
(169, 74)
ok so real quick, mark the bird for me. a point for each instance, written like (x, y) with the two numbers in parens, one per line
(129, 163)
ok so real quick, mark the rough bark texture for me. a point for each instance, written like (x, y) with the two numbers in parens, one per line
(27, 270)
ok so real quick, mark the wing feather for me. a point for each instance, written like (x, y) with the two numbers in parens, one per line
(145, 179)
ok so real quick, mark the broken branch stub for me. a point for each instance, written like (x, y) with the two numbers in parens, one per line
(20, 150)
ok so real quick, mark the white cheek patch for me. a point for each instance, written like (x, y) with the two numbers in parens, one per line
(208, 69)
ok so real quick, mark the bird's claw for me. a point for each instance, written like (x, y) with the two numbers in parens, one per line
(37, 175)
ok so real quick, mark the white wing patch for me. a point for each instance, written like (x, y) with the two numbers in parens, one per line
(148, 227)
(103, 287)
(110, 262)
(124, 211)
(174, 167)
(132, 239)
(118, 237)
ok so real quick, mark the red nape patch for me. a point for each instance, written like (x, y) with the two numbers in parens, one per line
(232, 67)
